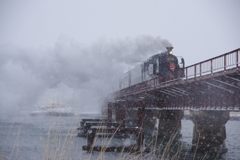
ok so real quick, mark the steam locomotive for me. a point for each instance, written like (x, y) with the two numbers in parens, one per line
(161, 64)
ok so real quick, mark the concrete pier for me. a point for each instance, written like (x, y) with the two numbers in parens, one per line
(209, 131)
(109, 110)
(170, 123)
(120, 112)
(150, 120)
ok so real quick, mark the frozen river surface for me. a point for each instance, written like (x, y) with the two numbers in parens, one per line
(26, 137)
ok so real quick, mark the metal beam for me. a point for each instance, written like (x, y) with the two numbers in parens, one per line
(167, 93)
(219, 87)
(181, 90)
(171, 92)
(233, 78)
(150, 95)
(226, 84)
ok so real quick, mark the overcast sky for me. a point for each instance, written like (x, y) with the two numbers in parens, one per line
(206, 27)
(57, 31)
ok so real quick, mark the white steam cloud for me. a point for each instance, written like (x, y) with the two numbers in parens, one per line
(70, 73)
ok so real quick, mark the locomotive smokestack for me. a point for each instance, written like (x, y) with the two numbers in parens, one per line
(169, 49)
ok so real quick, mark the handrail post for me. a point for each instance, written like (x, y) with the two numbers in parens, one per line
(200, 69)
(237, 59)
(225, 63)
(211, 67)
(195, 70)
(186, 73)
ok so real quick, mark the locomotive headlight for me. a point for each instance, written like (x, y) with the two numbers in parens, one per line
(171, 52)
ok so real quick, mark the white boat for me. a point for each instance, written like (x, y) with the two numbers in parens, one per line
(54, 109)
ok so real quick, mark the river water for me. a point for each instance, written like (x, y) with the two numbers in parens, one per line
(26, 137)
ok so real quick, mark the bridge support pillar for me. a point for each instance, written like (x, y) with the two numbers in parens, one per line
(109, 111)
(209, 131)
(170, 123)
(120, 113)
(140, 134)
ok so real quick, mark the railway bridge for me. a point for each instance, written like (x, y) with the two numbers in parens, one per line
(210, 90)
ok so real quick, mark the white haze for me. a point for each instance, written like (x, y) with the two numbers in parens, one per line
(70, 73)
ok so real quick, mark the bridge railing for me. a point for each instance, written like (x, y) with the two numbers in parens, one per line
(220, 63)
(223, 62)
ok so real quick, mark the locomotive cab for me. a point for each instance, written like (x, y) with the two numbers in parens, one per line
(162, 64)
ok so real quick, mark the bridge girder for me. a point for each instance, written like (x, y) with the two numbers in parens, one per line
(219, 92)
